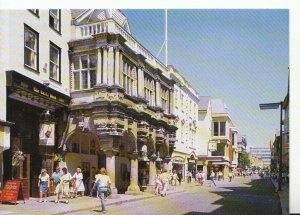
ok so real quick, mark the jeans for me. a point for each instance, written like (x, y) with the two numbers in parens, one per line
(102, 191)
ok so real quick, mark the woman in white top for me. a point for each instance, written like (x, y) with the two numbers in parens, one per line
(158, 183)
(78, 177)
(44, 184)
(103, 183)
(65, 183)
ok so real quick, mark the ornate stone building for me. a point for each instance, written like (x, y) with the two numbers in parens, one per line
(121, 113)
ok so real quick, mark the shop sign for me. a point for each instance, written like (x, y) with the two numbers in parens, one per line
(212, 146)
(47, 134)
(12, 191)
(178, 160)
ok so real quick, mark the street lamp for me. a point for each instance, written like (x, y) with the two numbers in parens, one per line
(276, 106)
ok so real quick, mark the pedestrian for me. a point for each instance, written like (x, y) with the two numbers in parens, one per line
(230, 176)
(170, 177)
(179, 177)
(103, 184)
(165, 177)
(189, 177)
(174, 178)
(92, 188)
(212, 176)
(56, 183)
(79, 185)
(43, 184)
(221, 175)
(65, 180)
(158, 183)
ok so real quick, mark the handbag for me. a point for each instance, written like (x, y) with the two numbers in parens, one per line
(108, 192)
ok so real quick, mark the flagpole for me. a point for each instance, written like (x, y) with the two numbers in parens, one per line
(166, 37)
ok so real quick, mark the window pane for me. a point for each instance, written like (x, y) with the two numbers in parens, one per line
(216, 129)
(93, 61)
(93, 78)
(84, 62)
(29, 58)
(84, 76)
(53, 71)
(54, 54)
(222, 129)
(76, 81)
(76, 63)
(54, 12)
(30, 39)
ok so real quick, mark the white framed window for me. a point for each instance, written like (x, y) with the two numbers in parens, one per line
(84, 72)
(54, 62)
(149, 90)
(130, 79)
(219, 128)
(31, 45)
(34, 11)
(54, 19)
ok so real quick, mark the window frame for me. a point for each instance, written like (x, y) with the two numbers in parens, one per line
(36, 13)
(51, 44)
(59, 20)
(27, 27)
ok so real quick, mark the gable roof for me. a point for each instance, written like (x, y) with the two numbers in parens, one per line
(89, 16)
(203, 103)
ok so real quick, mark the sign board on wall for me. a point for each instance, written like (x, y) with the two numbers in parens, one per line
(212, 146)
(47, 134)
(12, 191)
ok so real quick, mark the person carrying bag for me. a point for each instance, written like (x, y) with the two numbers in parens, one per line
(103, 186)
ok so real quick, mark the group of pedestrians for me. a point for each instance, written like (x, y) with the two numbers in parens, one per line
(64, 184)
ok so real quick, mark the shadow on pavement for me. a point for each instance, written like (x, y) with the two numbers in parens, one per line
(258, 198)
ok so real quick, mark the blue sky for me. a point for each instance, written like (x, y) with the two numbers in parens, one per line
(240, 56)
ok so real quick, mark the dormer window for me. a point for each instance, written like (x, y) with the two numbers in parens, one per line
(54, 19)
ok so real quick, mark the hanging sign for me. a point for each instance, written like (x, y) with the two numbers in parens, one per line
(47, 134)
(12, 191)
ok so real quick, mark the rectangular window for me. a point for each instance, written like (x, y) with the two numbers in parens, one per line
(54, 19)
(34, 11)
(222, 128)
(92, 147)
(31, 44)
(216, 129)
(84, 74)
(55, 53)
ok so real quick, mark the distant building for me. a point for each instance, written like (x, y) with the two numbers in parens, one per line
(262, 152)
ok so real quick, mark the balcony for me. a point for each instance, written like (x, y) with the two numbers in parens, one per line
(110, 26)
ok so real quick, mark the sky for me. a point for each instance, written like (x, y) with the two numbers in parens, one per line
(238, 55)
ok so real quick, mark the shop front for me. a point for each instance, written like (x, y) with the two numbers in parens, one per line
(38, 116)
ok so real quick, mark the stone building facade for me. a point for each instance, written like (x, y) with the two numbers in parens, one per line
(121, 113)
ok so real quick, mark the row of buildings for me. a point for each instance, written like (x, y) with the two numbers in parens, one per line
(77, 89)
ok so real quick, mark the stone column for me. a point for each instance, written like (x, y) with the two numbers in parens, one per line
(157, 92)
(171, 100)
(140, 81)
(99, 66)
(121, 69)
(152, 172)
(104, 81)
(110, 65)
(117, 67)
(133, 187)
(111, 170)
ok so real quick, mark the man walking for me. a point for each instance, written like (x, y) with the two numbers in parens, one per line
(212, 176)
(165, 181)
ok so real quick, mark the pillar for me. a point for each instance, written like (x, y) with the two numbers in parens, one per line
(157, 93)
(121, 69)
(117, 68)
(140, 82)
(99, 66)
(133, 187)
(110, 66)
(171, 100)
(111, 169)
(152, 172)
(104, 81)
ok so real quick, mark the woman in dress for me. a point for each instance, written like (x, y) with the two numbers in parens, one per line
(65, 183)
(43, 184)
(158, 183)
(79, 187)
(103, 183)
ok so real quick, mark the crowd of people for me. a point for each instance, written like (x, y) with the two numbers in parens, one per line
(71, 186)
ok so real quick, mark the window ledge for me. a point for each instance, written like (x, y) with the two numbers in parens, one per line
(58, 32)
(31, 69)
(55, 81)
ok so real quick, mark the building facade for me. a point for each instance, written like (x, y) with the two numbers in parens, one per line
(263, 153)
(34, 91)
(187, 145)
(121, 113)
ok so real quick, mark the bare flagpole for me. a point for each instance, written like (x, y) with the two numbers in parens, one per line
(166, 37)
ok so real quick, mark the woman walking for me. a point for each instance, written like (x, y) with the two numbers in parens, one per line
(180, 177)
(43, 184)
(65, 183)
(79, 185)
(103, 184)
(158, 183)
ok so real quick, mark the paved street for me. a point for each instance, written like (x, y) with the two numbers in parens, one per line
(242, 196)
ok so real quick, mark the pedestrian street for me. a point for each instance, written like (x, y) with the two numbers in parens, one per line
(244, 195)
